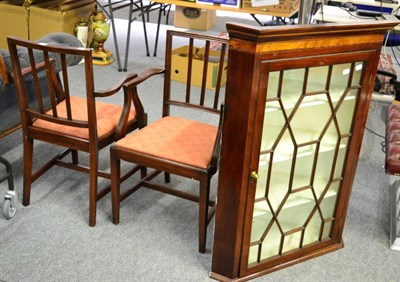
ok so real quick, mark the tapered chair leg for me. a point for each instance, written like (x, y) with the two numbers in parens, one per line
(143, 172)
(28, 159)
(74, 156)
(115, 164)
(93, 188)
(204, 194)
(167, 177)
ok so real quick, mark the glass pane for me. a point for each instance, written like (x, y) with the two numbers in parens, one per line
(291, 242)
(357, 74)
(270, 247)
(303, 124)
(326, 157)
(304, 166)
(329, 201)
(278, 188)
(296, 210)
(312, 231)
(273, 84)
(274, 117)
(326, 234)
(261, 218)
(341, 157)
(305, 140)
(263, 167)
(253, 253)
(339, 81)
(292, 87)
(345, 110)
(272, 242)
(317, 79)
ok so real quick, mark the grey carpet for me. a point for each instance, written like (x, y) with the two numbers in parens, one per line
(157, 237)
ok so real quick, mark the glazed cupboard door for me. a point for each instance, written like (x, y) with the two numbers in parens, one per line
(303, 135)
(296, 105)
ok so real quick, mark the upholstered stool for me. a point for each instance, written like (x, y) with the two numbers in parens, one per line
(392, 167)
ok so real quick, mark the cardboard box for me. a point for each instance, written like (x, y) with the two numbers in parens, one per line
(288, 7)
(16, 21)
(13, 22)
(193, 18)
(180, 64)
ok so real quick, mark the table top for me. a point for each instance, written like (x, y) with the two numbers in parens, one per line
(254, 11)
(333, 14)
(371, 3)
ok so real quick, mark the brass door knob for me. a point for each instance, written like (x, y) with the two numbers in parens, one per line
(254, 175)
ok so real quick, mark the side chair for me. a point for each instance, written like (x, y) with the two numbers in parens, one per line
(78, 122)
(184, 142)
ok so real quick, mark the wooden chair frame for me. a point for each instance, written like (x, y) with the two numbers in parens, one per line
(167, 166)
(58, 89)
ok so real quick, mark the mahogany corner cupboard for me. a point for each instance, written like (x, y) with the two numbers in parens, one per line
(296, 105)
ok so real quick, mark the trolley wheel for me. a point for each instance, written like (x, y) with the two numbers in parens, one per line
(8, 209)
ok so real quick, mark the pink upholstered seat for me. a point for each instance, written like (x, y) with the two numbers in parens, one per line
(176, 139)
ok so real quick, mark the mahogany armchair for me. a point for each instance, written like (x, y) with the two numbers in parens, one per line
(78, 122)
(178, 143)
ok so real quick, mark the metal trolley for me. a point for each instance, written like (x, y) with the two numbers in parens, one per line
(10, 198)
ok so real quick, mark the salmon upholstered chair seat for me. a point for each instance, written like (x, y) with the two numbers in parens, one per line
(175, 139)
(107, 118)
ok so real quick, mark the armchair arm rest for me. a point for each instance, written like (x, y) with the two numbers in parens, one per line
(114, 89)
(40, 66)
(131, 92)
(131, 96)
(143, 76)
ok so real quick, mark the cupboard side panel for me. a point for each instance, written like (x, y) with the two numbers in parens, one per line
(237, 136)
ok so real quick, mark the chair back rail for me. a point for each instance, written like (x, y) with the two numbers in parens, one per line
(58, 83)
(196, 97)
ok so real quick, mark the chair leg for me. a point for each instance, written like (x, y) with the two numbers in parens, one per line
(143, 172)
(93, 170)
(74, 156)
(28, 159)
(115, 166)
(167, 177)
(204, 195)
